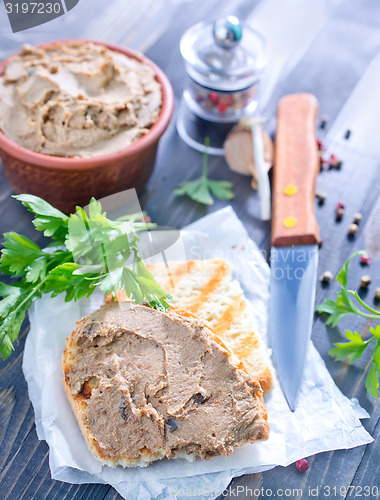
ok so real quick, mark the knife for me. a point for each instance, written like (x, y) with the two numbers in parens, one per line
(295, 238)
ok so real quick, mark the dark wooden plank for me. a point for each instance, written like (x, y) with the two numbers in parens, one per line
(367, 474)
(112, 495)
(335, 61)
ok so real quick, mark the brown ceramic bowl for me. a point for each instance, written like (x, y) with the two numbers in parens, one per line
(67, 182)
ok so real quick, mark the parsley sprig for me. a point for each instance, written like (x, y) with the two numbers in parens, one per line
(203, 189)
(354, 348)
(88, 251)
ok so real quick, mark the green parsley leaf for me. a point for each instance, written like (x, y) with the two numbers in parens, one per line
(354, 348)
(17, 300)
(372, 381)
(11, 326)
(343, 306)
(203, 189)
(36, 270)
(91, 250)
(11, 295)
(335, 309)
(48, 219)
(63, 279)
(197, 190)
(376, 354)
(18, 253)
(221, 189)
(375, 331)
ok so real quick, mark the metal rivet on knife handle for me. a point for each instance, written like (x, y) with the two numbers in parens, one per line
(296, 163)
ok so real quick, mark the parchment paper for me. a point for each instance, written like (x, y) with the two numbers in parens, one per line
(324, 419)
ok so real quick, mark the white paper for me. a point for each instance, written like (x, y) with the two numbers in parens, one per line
(324, 419)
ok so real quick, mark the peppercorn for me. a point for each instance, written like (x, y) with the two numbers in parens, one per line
(321, 197)
(222, 108)
(347, 134)
(322, 162)
(353, 229)
(302, 465)
(227, 100)
(320, 144)
(365, 281)
(365, 260)
(340, 205)
(339, 213)
(357, 218)
(323, 124)
(213, 97)
(334, 163)
(377, 294)
(327, 276)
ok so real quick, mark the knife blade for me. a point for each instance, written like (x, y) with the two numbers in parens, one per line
(295, 239)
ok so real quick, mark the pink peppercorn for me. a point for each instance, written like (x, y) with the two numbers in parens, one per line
(320, 144)
(302, 465)
(340, 205)
(222, 108)
(365, 260)
(334, 162)
(213, 97)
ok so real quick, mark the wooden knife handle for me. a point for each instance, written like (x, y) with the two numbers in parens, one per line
(296, 166)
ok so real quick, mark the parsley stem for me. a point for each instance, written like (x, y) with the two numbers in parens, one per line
(370, 316)
(30, 295)
(375, 314)
(104, 257)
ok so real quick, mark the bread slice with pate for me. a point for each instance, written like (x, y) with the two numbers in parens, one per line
(145, 385)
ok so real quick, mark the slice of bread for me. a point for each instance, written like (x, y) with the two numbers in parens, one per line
(206, 289)
(145, 385)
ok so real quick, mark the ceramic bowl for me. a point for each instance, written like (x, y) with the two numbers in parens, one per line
(67, 182)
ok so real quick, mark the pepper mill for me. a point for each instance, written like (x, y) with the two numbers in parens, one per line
(224, 61)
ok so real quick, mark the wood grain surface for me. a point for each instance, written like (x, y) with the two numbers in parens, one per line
(329, 68)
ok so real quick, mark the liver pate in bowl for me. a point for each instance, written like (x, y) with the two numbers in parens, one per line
(80, 119)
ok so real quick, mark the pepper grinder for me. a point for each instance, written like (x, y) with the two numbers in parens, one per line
(224, 61)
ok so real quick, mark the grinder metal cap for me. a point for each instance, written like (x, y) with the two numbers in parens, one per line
(223, 55)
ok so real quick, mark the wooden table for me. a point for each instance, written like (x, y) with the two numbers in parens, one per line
(330, 66)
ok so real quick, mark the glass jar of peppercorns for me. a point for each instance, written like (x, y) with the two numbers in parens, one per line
(224, 61)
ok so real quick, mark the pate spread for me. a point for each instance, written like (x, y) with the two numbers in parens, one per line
(160, 384)
(77, 99)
